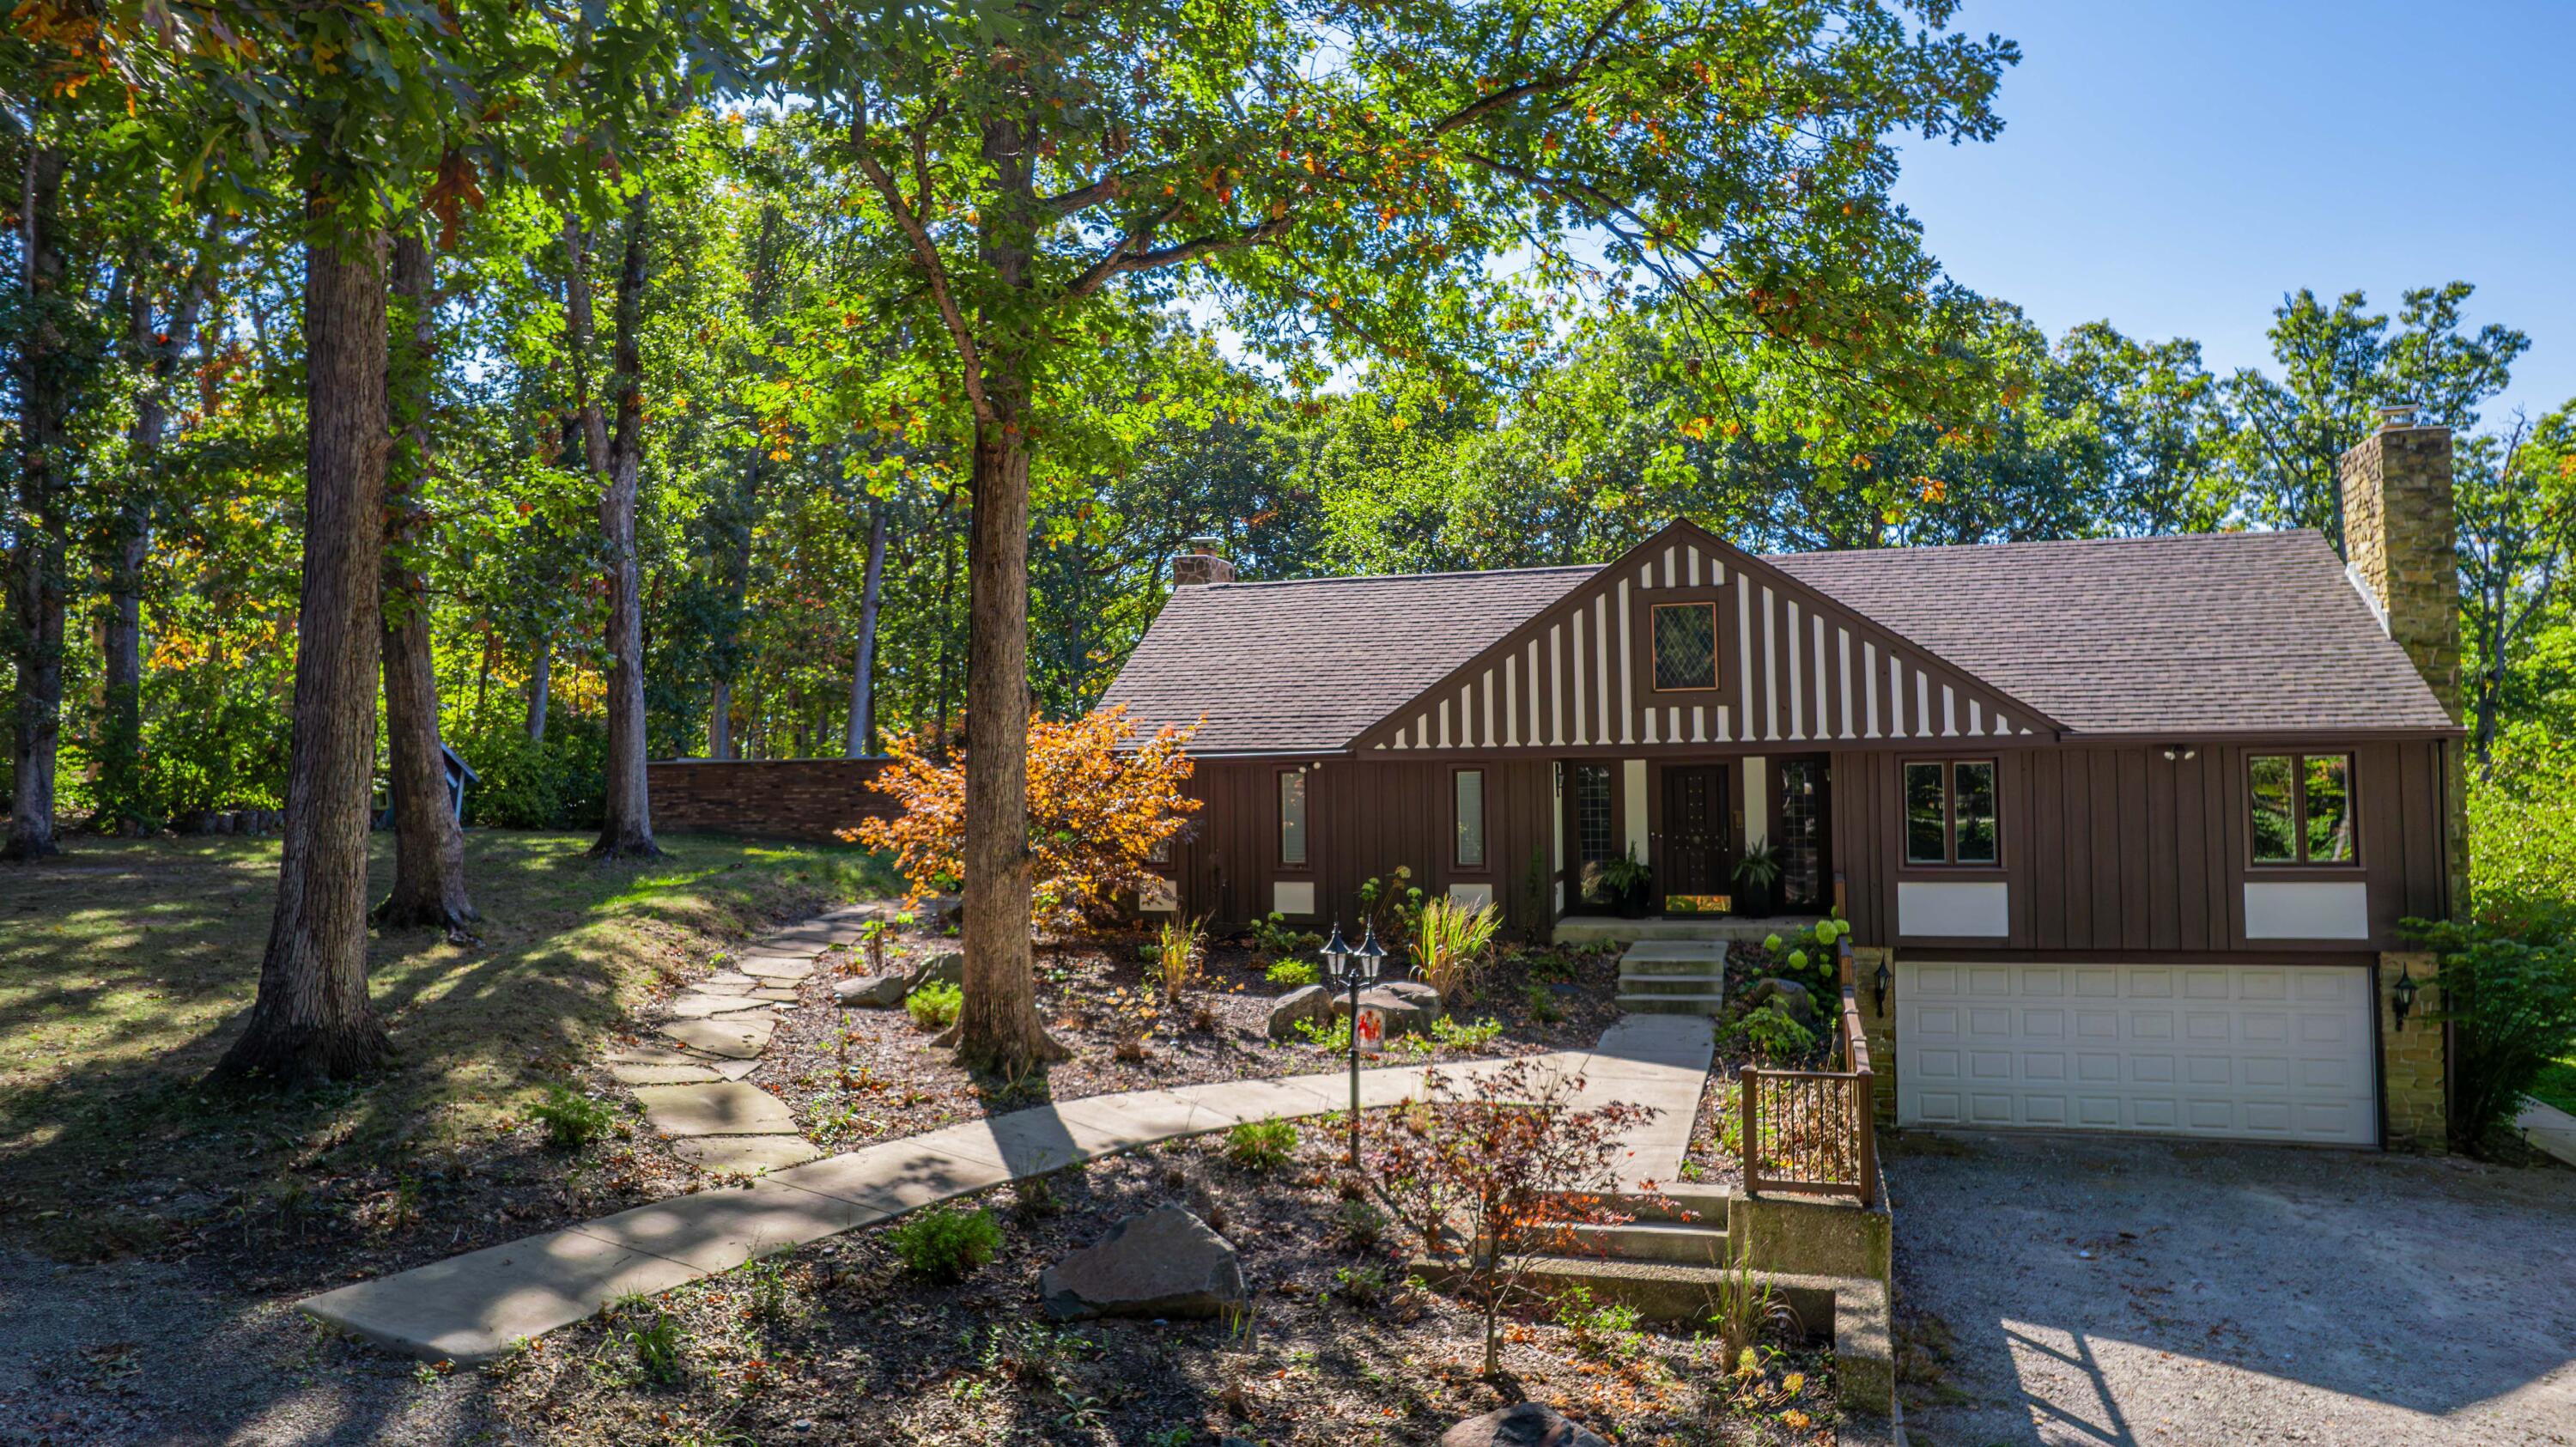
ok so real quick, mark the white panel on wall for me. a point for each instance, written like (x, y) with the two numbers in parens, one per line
(1632, 778)
(1757, 800)
(2307, 910)
(1964, 910)
(1474, 896)
(1293, 896)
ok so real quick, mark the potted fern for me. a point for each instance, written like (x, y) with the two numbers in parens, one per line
(1757, 874)
(1627, 881)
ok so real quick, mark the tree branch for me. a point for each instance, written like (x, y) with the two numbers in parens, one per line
(925, 250)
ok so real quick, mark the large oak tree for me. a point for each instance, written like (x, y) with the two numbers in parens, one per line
(1347, 180)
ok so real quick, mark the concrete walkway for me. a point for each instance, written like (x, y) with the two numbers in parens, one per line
(471, 1308)
(2547, 1129)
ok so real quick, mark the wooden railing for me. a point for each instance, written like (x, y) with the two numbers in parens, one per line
(1814, 1132)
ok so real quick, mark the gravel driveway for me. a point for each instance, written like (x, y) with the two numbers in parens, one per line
(2093, 1291)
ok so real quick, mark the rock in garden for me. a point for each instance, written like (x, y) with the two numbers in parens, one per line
(1307, 1003)
(948, 967)
(1424, 997)
(1793, 997)
(1527, 1424)
(1164, 1263)
(874, 991)
(1400, 1014)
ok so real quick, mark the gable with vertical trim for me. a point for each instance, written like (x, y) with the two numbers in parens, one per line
(1794, 668)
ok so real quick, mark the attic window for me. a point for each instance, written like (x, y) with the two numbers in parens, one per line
(2302, 808)
(1685, 640)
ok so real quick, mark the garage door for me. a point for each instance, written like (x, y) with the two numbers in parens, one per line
(2253, 1052)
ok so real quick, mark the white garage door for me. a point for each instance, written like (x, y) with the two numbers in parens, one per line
(2258, 1052)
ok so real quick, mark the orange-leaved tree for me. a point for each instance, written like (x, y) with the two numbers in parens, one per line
(1100, 804)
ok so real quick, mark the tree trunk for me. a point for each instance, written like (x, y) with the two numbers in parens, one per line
(627, 831)
(429, 848)
(312, 1019)
(720, 721)
(999, 1028)
(863, 673)
(540, 684)
(36, 574)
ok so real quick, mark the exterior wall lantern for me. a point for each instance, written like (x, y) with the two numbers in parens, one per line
(1878, 985)
(2401, 996)
(1353, 970)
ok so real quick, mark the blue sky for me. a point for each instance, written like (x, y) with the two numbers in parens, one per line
(2175, 167)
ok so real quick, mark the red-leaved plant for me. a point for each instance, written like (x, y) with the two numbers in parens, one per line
(1492, 1173)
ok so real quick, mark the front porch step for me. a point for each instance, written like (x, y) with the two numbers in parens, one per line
(1595, 929)
(1673, 957)
(1671, 984)
(1652, 1241)
(1672, 1004)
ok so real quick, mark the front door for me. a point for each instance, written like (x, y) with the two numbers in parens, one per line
(1691, 864)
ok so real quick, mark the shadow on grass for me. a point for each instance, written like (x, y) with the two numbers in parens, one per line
(127, 964)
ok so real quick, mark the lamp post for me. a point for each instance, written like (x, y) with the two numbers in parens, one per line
(1353, 970)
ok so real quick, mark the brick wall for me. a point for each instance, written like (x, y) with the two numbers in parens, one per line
(1878, 1026)
(2411, 1060)
(768, 798)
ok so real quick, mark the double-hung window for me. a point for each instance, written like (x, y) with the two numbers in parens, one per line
(1950, 815)
(2301, 807)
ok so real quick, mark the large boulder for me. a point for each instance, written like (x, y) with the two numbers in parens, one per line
(1309, 1003)
(1399, 1014)
(1526, 1424)
(1422, 997)
(1165, 1263)
(1792, 997)
(875, 992)
(948, 967)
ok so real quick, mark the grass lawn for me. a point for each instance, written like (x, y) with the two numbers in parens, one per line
(125, 966)
(2557, 1086)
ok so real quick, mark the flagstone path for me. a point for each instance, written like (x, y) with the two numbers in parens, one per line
(471, 1308)
(692, 1087)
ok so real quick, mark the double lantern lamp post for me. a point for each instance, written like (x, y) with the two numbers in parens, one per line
(1354, 970)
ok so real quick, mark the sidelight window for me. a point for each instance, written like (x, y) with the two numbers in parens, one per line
(1292, 816)
(1950, 813)
(2301, 807)
(1468, 812)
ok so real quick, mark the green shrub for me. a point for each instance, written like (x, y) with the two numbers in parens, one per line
(945, 1245)
(1608, 1330)
(1445, 1031)
(1275, 937)
(1361, 1221)
(572, 1119)
(1332, 1037)
(1291, 974)
(654, 1336)
(2511, 1004)
(934, 1006)
(1769, 1035)
(1261, 1145)
(1540, 1001)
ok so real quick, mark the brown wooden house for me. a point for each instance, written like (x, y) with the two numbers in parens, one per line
(2132, 823)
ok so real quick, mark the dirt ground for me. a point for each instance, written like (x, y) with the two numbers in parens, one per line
(2098, 1291)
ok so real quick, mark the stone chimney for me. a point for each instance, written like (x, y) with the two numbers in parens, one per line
(2401, 551)
(2400, 543)
(1199, 563)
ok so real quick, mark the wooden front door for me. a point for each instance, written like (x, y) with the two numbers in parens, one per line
(1698, 833)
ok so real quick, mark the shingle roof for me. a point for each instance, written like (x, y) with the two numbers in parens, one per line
(2207, 633)
(1302, 666)
(2202, 634)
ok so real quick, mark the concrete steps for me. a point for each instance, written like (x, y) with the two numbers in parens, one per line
(1594, 929)
(1673, 977)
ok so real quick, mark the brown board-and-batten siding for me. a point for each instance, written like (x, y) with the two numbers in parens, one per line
(1794, 668)
(2114, 850)
(1363, 820)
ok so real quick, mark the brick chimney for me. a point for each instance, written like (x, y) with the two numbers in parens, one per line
(2400, 543)
(1199, 563)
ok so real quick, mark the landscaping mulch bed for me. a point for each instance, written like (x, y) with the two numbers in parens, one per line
(859, 1075)
(838, 1342)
